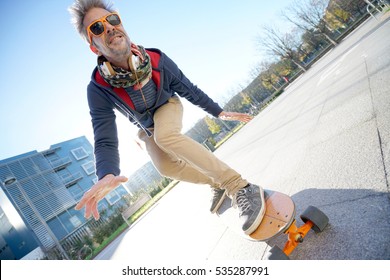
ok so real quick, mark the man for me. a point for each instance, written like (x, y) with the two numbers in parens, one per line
(145, 85)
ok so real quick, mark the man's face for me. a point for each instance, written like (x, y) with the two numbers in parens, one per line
(114, 43)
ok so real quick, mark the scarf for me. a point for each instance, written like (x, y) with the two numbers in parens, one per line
(140, 66)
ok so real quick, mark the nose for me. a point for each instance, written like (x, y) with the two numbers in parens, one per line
(109, 27)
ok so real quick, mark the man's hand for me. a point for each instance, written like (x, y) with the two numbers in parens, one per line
(233, 116)
(97, 192)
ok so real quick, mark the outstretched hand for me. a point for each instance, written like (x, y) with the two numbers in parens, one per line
(234, 116)
(97, 192)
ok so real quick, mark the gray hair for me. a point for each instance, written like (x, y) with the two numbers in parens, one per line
(80, 8)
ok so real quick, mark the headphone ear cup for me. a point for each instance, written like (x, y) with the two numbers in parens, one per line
(107, 68)
(108, 64)
(132, 62)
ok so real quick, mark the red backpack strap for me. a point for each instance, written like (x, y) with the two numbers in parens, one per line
(155, 59)
(121, 92)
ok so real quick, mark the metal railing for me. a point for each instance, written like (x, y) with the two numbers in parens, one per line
(376, 6)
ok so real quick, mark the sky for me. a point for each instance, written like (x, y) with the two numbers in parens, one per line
(46, 66)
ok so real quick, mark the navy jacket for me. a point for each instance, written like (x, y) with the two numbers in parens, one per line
(103, 99)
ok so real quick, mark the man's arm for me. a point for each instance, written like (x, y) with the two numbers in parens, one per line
(105, 132)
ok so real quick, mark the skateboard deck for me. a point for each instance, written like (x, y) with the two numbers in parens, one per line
(279, 215)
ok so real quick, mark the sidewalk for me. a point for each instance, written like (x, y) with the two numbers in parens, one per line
(325, 141)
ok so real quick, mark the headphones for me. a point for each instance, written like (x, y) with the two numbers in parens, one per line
(107, 69)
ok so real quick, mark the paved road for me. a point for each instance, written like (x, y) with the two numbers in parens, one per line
(325, 142)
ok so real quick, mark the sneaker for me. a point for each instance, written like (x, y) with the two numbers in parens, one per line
(251, 204)
(218, 197)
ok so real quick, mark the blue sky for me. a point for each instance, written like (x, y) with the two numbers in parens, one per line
(46, 66)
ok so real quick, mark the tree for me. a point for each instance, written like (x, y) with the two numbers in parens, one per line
(353, 7)
(199, 131)
(309, 15)
(280, 45)
(212, 125)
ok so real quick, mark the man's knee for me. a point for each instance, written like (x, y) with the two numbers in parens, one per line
(168, 169)
(165, 139)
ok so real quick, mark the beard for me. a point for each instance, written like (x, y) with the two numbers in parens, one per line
(114, 49)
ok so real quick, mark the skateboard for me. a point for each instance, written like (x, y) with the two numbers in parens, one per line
(279, 218)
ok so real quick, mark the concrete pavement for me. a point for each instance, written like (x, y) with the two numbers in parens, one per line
(325, 141)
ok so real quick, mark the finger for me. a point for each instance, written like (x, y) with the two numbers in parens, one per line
(121, 179)
(79, 206)
(83, 200)
(87, 212)
(247, 118)
(115, 182)
(95, 212)
(88, 209)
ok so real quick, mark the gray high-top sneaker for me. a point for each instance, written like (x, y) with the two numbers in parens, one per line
(251, 205)
(218, 197)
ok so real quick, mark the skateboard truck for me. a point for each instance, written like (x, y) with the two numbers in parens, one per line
(296, 236)
(313, 218)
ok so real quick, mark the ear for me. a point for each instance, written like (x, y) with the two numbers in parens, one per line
(94, 49)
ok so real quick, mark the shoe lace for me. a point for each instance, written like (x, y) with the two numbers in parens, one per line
(241, 201)
(216, 193)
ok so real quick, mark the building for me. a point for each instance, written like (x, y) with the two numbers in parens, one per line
(38, 193)
(145, 176)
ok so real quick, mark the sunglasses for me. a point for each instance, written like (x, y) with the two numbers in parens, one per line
(97, 27)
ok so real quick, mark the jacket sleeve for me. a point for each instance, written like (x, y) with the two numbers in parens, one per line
(105, 132)
(185, 88)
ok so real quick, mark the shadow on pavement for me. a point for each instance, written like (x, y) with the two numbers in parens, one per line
(358, 229)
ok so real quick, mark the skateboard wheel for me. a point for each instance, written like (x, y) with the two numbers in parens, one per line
(275, 253)
(317, 217)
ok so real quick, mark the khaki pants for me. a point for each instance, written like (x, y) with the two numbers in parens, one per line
(179, 157)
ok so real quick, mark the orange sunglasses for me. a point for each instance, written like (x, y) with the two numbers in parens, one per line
(97, 27)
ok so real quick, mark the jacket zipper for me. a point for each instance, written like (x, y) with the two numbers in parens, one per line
(130, 114)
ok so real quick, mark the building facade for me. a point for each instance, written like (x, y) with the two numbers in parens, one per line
(38, 193)
(145, 176)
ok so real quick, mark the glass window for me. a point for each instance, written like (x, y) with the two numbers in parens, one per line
(76, 214)
(76, 192)
(57, 228)
(121, 191)
(102, 205)
(79, 153)
(89, 167)
(112, 197)
(68, 221)
(75, 221)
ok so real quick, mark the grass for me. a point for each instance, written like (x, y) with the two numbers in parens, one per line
(151, 202)
(230, 134)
